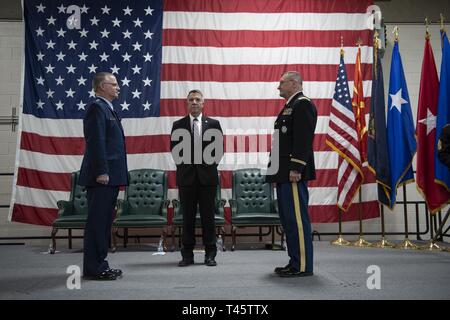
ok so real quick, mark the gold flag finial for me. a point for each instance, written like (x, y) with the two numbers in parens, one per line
(342, 45)
(359, 42)
(442, 19)
(427, 31)
(395, 32)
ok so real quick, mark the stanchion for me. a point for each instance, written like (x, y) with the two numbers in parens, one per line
(383, 243)
(432, 245)
(340, 241)
(439, 233)
(361, 242)
(406, 244)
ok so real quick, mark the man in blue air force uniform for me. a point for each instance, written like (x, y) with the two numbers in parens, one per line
(103, 170)
(292, 157)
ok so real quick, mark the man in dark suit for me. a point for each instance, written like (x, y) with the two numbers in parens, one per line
(292, 157)
(197, 148)
(103, 170)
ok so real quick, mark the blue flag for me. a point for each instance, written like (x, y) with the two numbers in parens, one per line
(443, 115)
(400, 127)
(377, 152)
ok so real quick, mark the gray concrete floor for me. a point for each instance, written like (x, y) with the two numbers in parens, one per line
(28, 272)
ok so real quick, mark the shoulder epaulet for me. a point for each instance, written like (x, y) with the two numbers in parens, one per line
(304, 98)
(448, 124)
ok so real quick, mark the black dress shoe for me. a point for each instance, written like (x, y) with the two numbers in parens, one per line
(185, 262)
(278, 270)
(291, 272)
(105, 275)
(210, 262)
(117, 272)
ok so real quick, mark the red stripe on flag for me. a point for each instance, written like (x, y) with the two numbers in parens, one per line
(51, 145)
(263, 39)
(43, 180)
(34, 215)
(250, 73)
(241, 108)
(268, 6)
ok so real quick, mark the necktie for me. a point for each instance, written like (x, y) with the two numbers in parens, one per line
(196, 130)
(197, 142)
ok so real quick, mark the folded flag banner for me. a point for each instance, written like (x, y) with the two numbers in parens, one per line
(400, 128)
(377, 150)
(435, 195)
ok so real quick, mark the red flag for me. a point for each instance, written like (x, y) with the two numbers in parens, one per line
(434, 194)
(359, 108)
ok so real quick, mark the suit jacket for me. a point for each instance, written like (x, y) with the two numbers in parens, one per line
(105, 151)
(296, 124)
(186, 172)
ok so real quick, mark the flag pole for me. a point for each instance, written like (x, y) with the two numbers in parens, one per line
(406, 244)
(383, 243)
(431, 245)
(340, 241)
(361, 242)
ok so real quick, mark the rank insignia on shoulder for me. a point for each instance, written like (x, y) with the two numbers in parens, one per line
(287, 112)
(304, 98)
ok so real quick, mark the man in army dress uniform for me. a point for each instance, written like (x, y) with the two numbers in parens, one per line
(294, 157)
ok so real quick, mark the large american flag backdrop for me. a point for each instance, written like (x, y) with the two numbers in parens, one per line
(234, 51)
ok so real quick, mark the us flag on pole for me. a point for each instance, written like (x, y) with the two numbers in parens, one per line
(343, 138)
(233, 51)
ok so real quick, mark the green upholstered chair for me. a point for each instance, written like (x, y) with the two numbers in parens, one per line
(72, 214)
(219, 218)
(144, 205)
(252, 203)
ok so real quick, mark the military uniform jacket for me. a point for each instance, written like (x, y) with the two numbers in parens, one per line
(444, 146)
(296, 124)
(105, 151)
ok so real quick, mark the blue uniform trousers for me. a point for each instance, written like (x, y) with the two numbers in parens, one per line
(101, 203)
(293, 209)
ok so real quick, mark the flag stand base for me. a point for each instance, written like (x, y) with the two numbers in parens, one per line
(408, 245)
(340, 242)
(431, 246)
(361, 243)
(384, 244)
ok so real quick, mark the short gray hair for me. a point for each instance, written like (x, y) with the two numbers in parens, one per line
(294, 75)
(98, 79)
(195, 91)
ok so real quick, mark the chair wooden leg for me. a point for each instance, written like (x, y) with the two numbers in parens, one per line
(125, 237)
(70, 238)
(114, 239)
(164, 235)
(52, 249)
(172, 233)
(272, 230)
(224, 247)
(233, 237)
